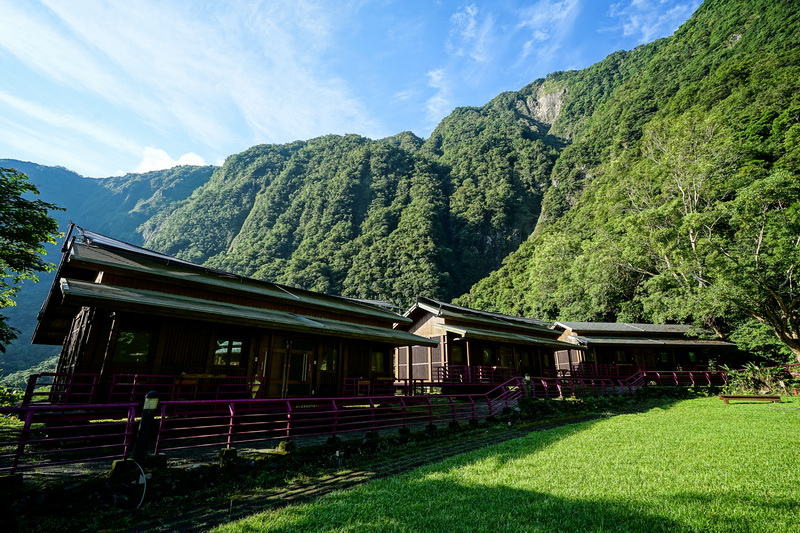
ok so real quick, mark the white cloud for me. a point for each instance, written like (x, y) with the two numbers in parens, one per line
(158, 159)
(439, 104)
(70, 123)
(647, 20)
(470, 36)
(548, 23)
(224, 75)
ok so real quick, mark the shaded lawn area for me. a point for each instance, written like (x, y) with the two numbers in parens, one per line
(697, 465)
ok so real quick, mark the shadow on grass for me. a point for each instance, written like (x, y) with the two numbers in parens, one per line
(439, 505)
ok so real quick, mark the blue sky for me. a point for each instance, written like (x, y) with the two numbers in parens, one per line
(105, 88)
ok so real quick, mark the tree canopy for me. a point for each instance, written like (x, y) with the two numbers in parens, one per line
(25, 226)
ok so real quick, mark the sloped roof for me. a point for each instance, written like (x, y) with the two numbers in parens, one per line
(501, 336)
(105, 251)
(646, 341)
(94, 294)
(588, 328)
(89, 251)
(486, 318)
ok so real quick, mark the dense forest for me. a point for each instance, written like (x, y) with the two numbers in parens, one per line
(678, 197)
(660, 184)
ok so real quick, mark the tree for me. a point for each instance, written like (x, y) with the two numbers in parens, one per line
(757, 254)
(25, 227)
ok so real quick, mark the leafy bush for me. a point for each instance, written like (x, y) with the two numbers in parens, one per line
(9, 397)
(758, 379)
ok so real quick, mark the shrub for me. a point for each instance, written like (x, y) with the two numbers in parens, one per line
(757, 379)
(9, 397)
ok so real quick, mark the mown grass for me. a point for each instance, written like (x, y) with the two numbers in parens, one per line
(697, 465)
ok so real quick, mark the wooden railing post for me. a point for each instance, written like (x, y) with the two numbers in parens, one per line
(231, 423)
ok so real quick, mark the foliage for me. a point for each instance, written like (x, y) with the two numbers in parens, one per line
(635, 190)
(758, 379)
(756, 338)
(25, 226)
(9, 397)
(677, 199)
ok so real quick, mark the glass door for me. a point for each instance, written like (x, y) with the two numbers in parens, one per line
(300, 371)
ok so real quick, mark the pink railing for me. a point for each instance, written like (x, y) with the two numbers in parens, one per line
(51, 435)
(60, 388)
(65, 388)
(549, 387)
(604, 370)
(63, 434)
(237, 422)
(464, 374)
(684, 377)
(131, 387)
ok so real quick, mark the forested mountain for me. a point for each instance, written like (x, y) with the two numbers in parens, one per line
(677, 198)
(127, 207)
(660, 184)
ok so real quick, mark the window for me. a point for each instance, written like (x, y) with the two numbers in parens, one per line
(327, 362)
(488, 356)
(377, 361)
(132, 347)
(228, 352)
(506, 356)
(298, 366)
(456, 354)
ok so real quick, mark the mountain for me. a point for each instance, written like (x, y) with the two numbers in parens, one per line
(126, 207)
(677, 197)
(607, 193)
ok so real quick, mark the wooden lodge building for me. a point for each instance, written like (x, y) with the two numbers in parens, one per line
(475, 347)
(118, 309)
(628, 348)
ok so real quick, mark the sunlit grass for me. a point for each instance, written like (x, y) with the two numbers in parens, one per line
(698, 465)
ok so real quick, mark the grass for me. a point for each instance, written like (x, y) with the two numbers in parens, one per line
(697, 465)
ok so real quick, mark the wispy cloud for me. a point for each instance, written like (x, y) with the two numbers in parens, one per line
(71, 123)
(252, 72)
(439, 104)
(471, 34)
(646, 20)
(158, 159)
(548, 23)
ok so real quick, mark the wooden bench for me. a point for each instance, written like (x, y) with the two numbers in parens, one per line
(749, 398)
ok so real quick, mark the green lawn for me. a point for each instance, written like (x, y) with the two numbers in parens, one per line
(697, 465)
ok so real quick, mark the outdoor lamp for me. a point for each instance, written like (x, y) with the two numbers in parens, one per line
(145, 428)
(527, 378)
(151, 401)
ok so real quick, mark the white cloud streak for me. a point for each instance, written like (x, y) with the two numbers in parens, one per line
(471, 35)
(548, 23)
(647, 20)
(250, 72)
(158, 159)
(439, 104)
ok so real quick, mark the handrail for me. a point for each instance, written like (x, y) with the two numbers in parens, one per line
(64, 434)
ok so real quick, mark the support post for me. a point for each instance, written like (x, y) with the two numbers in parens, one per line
(145, 428)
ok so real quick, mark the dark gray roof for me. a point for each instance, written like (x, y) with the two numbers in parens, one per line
(454, 311)
(102, 250)
(502, 336)
(643, 341)
(87, 293)
(586, 328)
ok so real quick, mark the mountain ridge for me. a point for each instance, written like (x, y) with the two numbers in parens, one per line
(515, 205)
